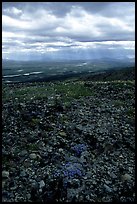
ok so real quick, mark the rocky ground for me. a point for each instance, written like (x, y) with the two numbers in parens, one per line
(83, 150)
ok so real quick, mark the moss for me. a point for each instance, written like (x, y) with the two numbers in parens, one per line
(32, 147)
(35, 121)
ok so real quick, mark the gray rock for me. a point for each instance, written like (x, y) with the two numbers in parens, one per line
(33, 156)
(41, 184)
(28, 196)
(50, 149)
(108, 182)
(22, 173)
(5, 174)
(94, 182)
(107, 188)
(79, 128)
(60, 150)
(23, 153)
(112, 175)
(13, 188)
(34, 184)
(126, 177)
(83, 160)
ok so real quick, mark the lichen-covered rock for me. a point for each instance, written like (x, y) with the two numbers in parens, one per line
(82, 153)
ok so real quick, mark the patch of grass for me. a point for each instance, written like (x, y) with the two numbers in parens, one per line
(131, 112)
(35, 121)
(118, 103)
(32, 147)
(63, 118)
(72, 90)
(30, 93)
(67, 90)
(122, 84)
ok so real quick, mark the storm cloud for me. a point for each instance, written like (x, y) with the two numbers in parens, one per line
(64, 30)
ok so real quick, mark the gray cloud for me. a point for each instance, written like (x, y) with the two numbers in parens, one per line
(63, 28)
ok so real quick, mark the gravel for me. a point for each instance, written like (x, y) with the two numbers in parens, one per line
(84, 152)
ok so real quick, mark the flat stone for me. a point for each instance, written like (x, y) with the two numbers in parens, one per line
(23, 153)
(107, 188)
(5, 174)
(108, 182)
(33, 156)
(126, 177)
(14, 188)
(61, 133)
(112, 175)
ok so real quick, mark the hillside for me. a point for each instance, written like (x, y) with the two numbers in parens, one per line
(71, 140)
(127, 73)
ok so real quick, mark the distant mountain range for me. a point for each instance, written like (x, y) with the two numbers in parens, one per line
(108, 59)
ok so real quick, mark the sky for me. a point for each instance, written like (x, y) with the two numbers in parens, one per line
(68, 30)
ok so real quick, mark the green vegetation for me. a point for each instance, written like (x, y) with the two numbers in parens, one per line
(24, 93)
(131, 112)
(122, 84)
(34, 122)
(118, 103)
(66, 90)
(32, 147)
(72, 90)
